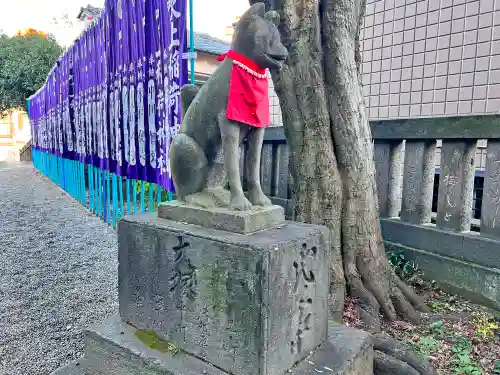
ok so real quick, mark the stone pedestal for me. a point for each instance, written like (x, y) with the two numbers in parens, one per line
(241, 299)
(249, 304)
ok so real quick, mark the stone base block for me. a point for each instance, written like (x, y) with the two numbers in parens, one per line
(249, 304)
(347, 351)
(198, 212)
(112, 348)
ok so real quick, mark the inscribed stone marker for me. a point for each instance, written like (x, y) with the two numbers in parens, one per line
(283, 158)
(275, 171)
(418, 181)
(456, 185)
(490, 211)
(381, 151)
(266, 161)
(388, 160)
(395, 179)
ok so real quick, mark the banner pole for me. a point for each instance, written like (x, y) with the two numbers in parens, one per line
(191, 39)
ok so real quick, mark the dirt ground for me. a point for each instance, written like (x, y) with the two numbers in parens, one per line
(457, 337)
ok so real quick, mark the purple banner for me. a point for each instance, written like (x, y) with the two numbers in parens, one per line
(154, 91)
(100, 97)
(139, 55)
(175, 76)
(66, 120)
(77, 73)
(132, 170)
(113, 100)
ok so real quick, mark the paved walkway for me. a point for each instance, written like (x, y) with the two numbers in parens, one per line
(57, 272)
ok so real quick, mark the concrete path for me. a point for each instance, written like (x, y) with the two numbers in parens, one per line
(57, 272)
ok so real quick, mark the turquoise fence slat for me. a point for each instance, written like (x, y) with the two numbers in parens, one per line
(151, 194)
(120, 190)
(134, 200)
(127, 184)
(108, 200)
(142, 196)
(91, 187)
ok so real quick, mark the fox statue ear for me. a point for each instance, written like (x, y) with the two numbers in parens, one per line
(258, 9)
(273, 16)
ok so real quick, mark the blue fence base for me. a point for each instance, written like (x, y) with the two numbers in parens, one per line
(100, 191)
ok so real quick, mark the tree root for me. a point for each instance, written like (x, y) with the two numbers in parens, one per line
(386, 365)
(392, 357)
(411, 296)
(388, 294)
(368, 305)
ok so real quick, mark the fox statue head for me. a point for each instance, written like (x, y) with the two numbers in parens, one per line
(256, 37)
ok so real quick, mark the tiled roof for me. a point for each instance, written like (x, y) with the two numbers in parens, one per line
(209, 44)
(90, 10)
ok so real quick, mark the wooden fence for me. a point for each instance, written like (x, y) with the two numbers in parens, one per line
(460, 253)
(25, 153)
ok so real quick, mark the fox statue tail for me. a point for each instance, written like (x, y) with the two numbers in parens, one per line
(188, 93)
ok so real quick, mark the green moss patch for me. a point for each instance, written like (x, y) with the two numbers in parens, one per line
(152, 341)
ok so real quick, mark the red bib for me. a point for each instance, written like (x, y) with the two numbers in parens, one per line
(248, 100)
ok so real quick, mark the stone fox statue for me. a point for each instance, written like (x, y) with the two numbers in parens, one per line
(212, 128)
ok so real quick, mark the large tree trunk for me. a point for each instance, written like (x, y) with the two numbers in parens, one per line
(332, 164)
(317, 186)
(333, 168)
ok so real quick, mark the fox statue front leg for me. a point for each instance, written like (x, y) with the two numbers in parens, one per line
(230, 136)
(255, 193)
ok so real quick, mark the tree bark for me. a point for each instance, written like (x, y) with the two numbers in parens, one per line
(317, 182)
(332, 158)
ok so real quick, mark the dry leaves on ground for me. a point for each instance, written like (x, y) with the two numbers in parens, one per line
(457, 337)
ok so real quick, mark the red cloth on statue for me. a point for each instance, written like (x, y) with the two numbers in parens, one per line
(248, 100)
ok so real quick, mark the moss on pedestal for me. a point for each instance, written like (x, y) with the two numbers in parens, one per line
(152, 341)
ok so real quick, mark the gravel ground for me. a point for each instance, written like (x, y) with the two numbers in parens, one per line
(58, 273)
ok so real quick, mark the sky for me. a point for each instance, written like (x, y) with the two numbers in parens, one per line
(210, 16)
